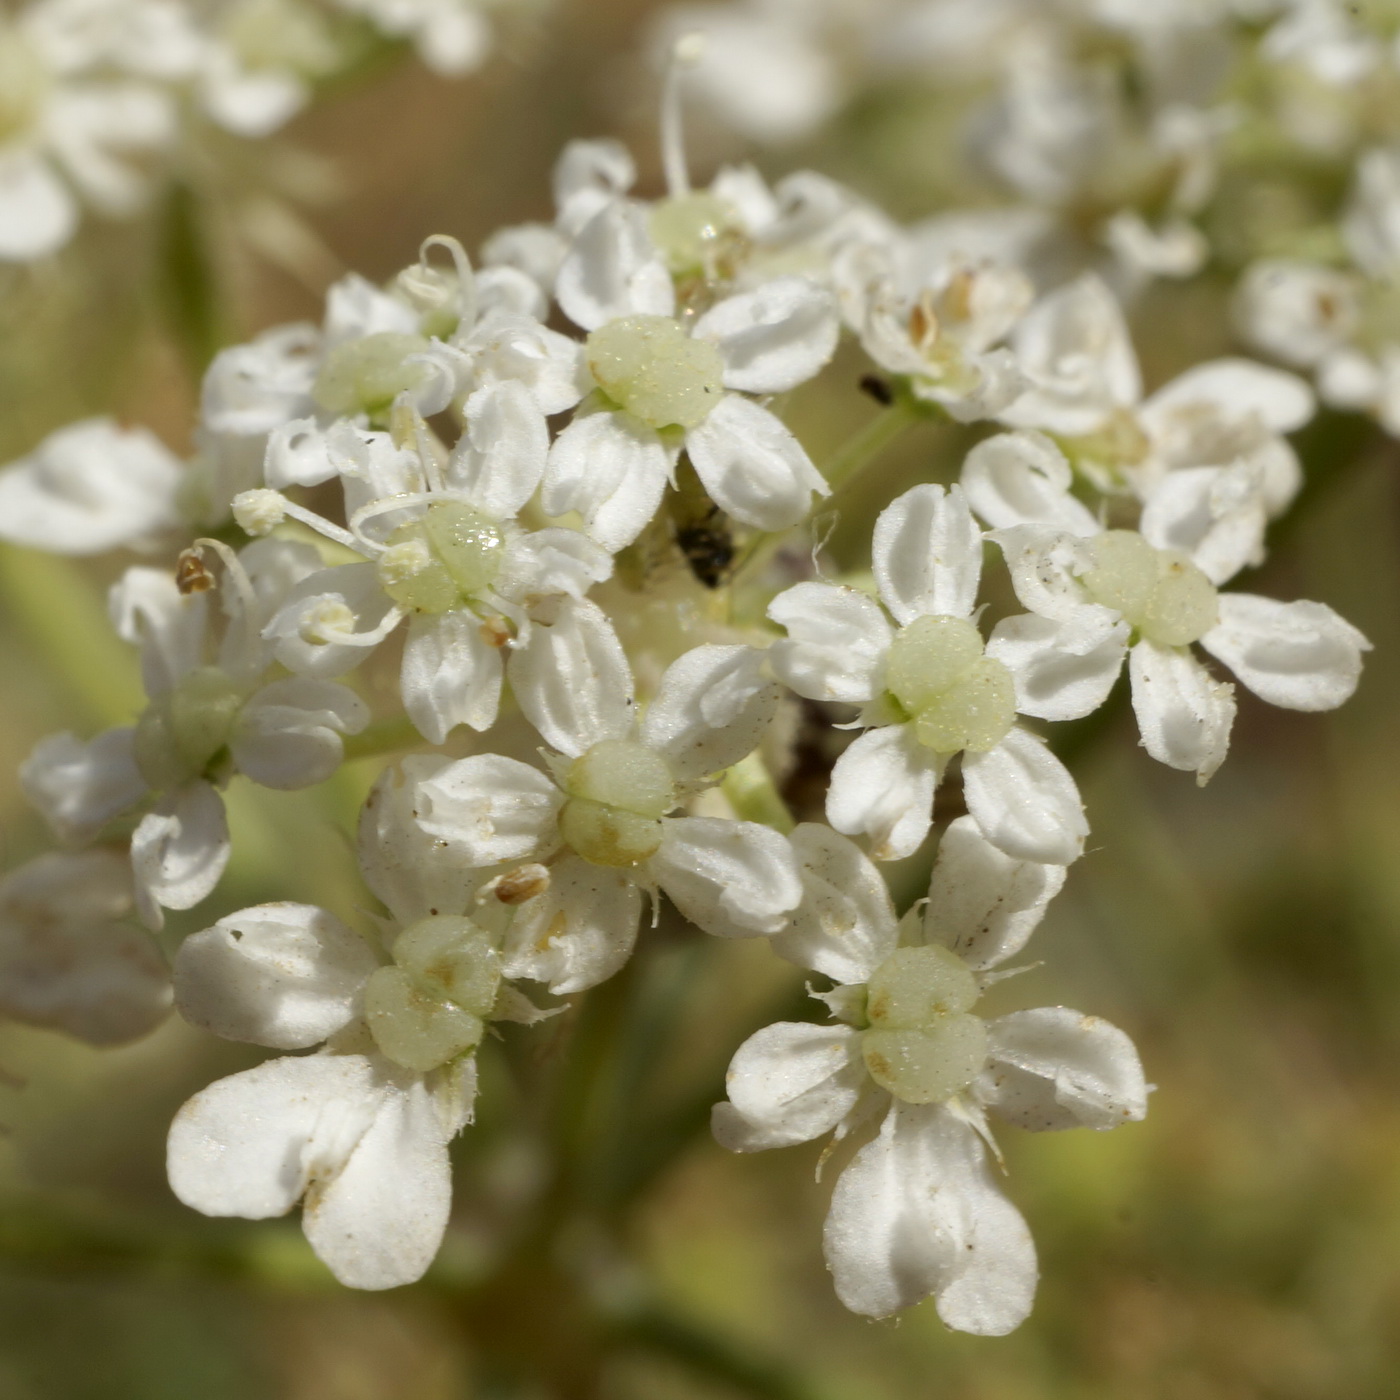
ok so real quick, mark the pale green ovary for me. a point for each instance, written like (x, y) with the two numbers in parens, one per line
(183, 731)
(432, 1005)
(957, 697)
(618, 793)
(922, 1044)
(689, 231)
(443, 561)
(653, 369)
(366, 375)
(1160, 592)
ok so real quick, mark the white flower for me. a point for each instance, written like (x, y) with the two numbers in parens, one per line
(91, 487)
(665, 387)
(917, 1211)
(443, 549)
(1298, 312)
(1086, 389)
(358, 1131)
(763, 70)
(1094, 593)
(68, 958)
(451, 36)
(927, 691)
(943, 337)
(599, 820)
(259, 63)
(210, 715)
(75, 108)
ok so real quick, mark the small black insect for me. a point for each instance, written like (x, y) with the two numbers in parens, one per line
(878, 389)
(708, 547)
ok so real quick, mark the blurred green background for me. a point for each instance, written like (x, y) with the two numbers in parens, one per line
(1243, 1242)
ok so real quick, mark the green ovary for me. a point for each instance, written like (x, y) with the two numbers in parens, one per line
(414, 1028)
(453, 958)
(366, 375)
(689, 229)
(432, 1005)
(442, 561)
(957, 697)
(653, 369)
(1160, 592)
(182, 731)
(618, 793)
(923, 1045)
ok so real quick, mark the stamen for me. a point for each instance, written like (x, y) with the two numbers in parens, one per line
(685, 53)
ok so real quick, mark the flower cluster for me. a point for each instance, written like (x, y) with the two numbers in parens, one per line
(95, 94)
(550, 504)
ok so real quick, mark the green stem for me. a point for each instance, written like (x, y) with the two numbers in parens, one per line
(194, 305)
(752, 793)
(68, 629)
(384, 736)
(868, 442)
(656, 1329)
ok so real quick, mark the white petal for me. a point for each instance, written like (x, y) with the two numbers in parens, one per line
(789, 1083)
(587, 175)
(1214, 515)
(297, 455)
(577, 933)
(1237, 388)
(285, 975)
(508, 346)
(711, 708)
(91, 487)
(179, 851)
(1075, 348)
(288, 735)
(488, 808)
(1059, 672)
(773, 338)
(882, 787)
(917, 1212)
(731, 879)
(983, 903)
(1054, 1068)
(1183, 713)
(612, 470)
(927, 554)
(378, 1223)
(573, 681)
(80, 787)
(836, 643)
(68, 962)
(331, 620)
(845, 926)
(551, 561)
(499, 459)
(451, 675)
(1043, 563)
(1024, 479)
(405, 870)
(1301, 655)
(1025, 801)
(613, 270)
(148, 610)
(38, 215)
(752, 466)
(247, 1145)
